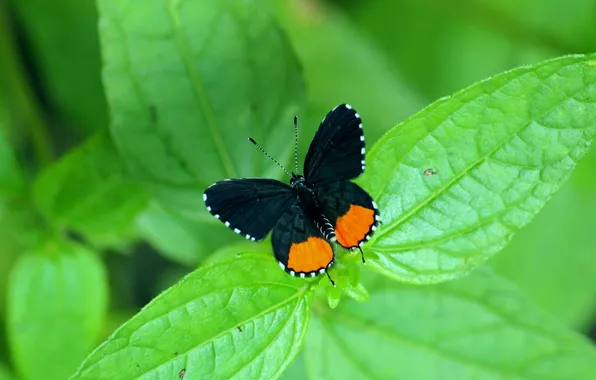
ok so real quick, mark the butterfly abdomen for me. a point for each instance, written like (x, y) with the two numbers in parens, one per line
(326, 228)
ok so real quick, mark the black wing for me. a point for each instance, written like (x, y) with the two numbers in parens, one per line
(336, 152)
(251, 206)
(299, 246)
(351, 211)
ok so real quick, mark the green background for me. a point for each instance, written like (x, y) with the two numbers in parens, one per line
(89, 237)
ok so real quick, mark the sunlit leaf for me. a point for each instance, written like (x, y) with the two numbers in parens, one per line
(498, 150)
(241, 317)
(562, 244)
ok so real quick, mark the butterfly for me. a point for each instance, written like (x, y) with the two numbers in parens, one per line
(315, 209)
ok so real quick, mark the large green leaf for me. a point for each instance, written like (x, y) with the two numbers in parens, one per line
(500, 149)
(57, 299)
(238, 318)
(89, 191)
(479, 327)
(64, 42)
(188, 81)
(565, 283)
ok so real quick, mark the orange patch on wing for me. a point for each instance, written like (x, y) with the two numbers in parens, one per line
(309, 256)
(354, 225)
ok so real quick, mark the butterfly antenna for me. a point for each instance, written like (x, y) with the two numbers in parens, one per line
(269, 156)
(296, 142)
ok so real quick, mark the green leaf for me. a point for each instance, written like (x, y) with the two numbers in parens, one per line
(566, 256)
(88, 190)
(342, 65)
(237, 318)
(72, 76)
(479, 327)
(186, 238)
(500, 149)
(187, 82)
(57, 300)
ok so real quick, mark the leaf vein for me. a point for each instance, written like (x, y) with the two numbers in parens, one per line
(391, 226)
(212, 339)
(199, 91)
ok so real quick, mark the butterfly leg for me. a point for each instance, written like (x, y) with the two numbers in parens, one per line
(332, 282)
(362, 254)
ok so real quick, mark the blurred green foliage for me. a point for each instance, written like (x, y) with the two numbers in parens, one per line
(83, 190)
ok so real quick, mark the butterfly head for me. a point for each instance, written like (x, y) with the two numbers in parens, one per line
(297, 180)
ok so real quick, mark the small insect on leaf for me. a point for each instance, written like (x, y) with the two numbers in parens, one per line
(316, 209)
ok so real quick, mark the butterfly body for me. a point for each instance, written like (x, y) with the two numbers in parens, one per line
(307, 200)
(314, 210)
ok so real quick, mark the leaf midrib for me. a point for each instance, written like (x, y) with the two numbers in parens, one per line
(142, 98)
(262, 313)
(199, 90)
(405, 217)
(399, 248)
(301, 291)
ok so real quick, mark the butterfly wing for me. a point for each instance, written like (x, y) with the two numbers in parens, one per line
(298, 245)
(251, 206)
(351, 211)
(336, 153)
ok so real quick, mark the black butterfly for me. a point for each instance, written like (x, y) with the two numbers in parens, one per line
(316, 208)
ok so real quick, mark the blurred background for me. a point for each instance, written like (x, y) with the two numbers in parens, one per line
(388, 58)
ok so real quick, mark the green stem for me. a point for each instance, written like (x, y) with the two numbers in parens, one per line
(16, 93)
